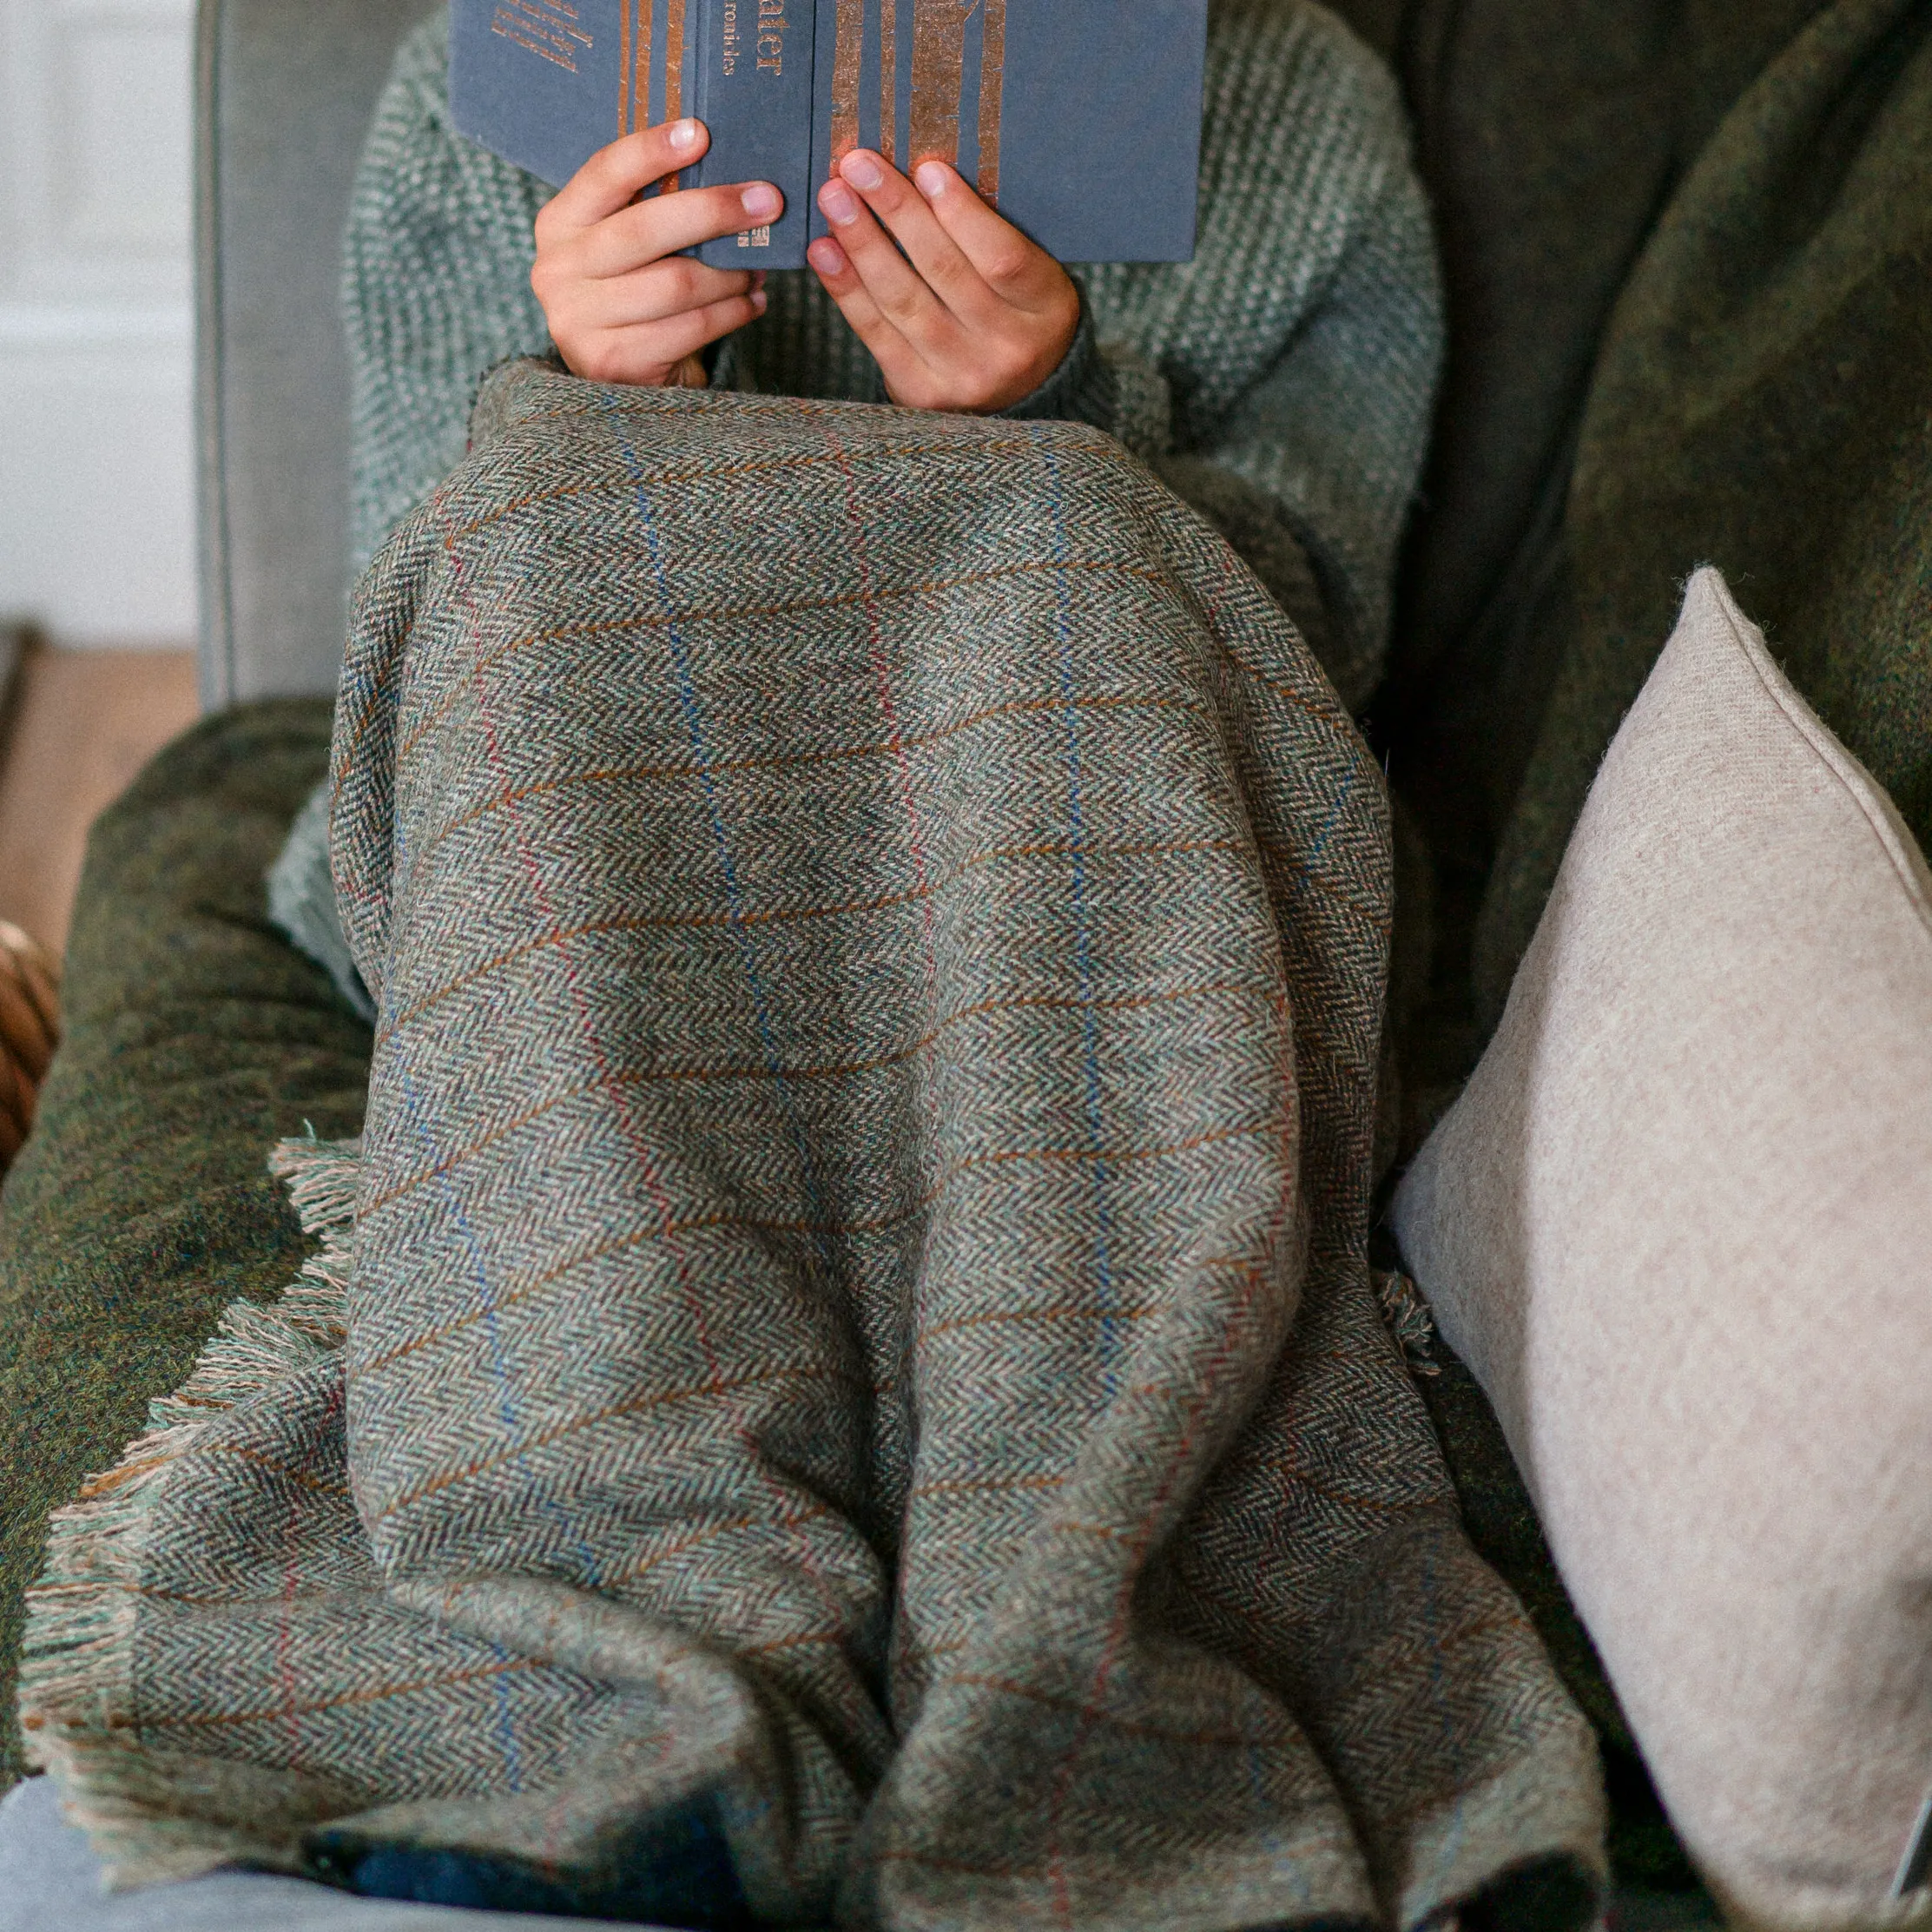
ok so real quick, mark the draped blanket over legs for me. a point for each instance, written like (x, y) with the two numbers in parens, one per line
(852, 1391)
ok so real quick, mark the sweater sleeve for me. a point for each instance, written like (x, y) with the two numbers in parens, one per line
(1321, 454)
(436, 291)
(1282, 382)
(1109, 388)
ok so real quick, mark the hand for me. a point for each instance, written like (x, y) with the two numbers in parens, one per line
(623, 305)
(973, 316)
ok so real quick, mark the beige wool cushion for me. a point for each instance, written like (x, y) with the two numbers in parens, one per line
(1679, 1225)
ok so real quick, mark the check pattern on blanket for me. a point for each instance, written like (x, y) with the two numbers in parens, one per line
(854, 1390)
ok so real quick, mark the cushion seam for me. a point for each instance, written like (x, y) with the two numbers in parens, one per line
(1878, 812)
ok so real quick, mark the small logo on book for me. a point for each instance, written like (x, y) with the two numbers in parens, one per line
(755, 238)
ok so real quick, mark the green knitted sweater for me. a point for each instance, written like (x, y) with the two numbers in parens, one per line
(1281, 382)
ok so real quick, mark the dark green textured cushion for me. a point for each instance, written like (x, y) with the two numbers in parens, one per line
(195, 1037)
(1762, 401)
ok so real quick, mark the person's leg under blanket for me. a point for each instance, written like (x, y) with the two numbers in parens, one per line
(861, 1394)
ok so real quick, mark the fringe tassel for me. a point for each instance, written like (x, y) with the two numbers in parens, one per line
(77, 1672)
(1409, 1320)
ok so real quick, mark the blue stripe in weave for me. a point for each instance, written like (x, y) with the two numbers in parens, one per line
(1083, 942)
(1306, 869)
(507, 1743)
(506, 1737)
(694, 725)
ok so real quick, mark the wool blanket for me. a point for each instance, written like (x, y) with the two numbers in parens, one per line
(842, 1382)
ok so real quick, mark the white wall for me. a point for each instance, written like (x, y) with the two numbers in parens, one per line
(97, 474)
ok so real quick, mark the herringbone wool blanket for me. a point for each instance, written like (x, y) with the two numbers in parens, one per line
(842, 1384)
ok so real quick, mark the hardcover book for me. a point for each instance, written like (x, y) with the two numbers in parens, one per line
(1079, 120)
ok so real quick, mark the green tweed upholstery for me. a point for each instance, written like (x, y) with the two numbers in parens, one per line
(195, 1036)
(1762, 401)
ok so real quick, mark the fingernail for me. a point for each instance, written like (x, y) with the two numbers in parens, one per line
(862, 171)
(758, 278)
(837, 202)
(759, 299)
(762, 202)
(931, 177)
(826, 256)
(681, 135)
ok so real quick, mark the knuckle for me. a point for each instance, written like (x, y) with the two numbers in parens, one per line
(957, 280)
(634, 223)
(600, 361)
(677, 277)
(626, 160)
(1007, 263)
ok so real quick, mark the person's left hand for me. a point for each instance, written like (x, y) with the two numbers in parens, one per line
(973, 316)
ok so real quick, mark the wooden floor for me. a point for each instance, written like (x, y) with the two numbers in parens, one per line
(80, 724)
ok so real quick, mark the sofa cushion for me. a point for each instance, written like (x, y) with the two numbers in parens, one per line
(1678, 1226)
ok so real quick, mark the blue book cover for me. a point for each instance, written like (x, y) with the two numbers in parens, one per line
(1079, 120)
(752, 87)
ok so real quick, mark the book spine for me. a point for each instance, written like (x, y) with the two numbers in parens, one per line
(754, 91)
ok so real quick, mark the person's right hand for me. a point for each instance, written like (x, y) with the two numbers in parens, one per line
(623, 305)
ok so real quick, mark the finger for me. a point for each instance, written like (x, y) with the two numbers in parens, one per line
(651, 353)
(911, 220)
(899, 362)
(21, 1034)
(895, 288)
(1018, 270)
(658, 292)
(613, 177)
(29, 974)
(668, 223)
(16, 1103)
(36, 968)
(44, 988)
(684, 335)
